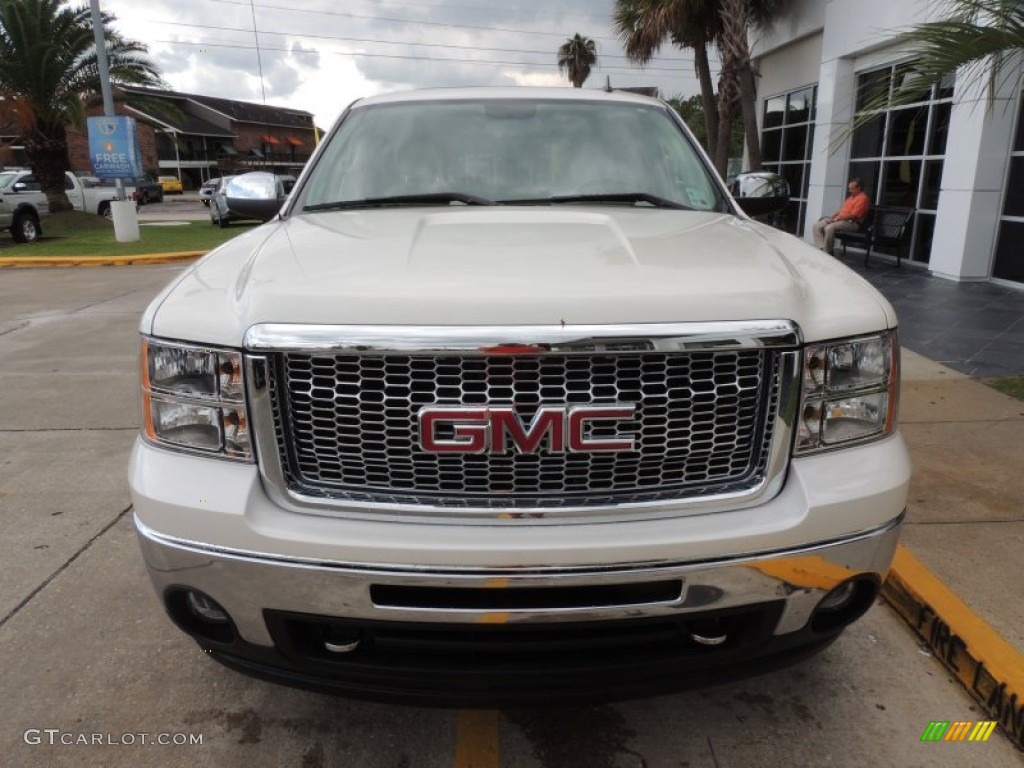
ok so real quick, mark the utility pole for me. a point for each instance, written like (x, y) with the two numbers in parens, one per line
(101, 61)
(126, 224)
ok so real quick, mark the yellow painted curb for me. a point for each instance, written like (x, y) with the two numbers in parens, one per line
(99, 261)
(990, 668)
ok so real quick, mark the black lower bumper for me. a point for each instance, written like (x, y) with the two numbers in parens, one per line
(525, 664)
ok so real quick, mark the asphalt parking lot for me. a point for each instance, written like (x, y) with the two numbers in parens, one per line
(88, 651)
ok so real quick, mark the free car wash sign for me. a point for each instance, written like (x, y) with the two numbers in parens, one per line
(114, 151)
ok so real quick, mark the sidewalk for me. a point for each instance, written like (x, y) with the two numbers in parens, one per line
(965, 524)
(965, 512)
(975, 328)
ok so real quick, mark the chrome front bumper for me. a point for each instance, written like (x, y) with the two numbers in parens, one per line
(248, 584)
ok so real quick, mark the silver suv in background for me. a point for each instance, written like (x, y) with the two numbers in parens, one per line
(22, 205)
(206, 191)
(228, 200)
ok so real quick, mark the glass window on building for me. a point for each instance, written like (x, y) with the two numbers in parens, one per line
(1009, 261)
(898, 154)
(787, 136)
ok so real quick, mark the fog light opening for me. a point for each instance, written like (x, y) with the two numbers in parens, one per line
(206, 608)
(845, 603)
(838, 597)
(200, 615)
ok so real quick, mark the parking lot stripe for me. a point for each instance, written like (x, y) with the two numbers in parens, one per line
(99, 261)
(476, 744)
(989, 667)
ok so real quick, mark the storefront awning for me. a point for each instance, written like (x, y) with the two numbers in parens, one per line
(256, 153)
(271, 140)
(293, 141)
(227, 149)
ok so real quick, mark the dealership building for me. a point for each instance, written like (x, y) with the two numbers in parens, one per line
(953, 155)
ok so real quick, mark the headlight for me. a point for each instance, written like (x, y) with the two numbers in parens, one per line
(850, 392)
(192, 399)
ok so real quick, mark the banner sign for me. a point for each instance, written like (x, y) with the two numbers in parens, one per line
(114, 151)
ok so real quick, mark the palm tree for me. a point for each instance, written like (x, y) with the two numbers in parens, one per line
(644, 25)
(975, 42)
(576, 57)
(48, 73)
(738, 17)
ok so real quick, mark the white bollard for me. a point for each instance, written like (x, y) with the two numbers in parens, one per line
(126, 221)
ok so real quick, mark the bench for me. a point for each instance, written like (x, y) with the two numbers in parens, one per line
(886, 226)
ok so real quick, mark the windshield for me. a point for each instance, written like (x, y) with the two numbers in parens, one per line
(523, 151)
(6, 178)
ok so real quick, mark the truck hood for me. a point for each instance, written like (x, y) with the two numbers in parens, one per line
(556, 265)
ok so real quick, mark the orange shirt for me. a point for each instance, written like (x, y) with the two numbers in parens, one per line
(855, 207)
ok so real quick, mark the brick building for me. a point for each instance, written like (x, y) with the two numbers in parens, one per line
(192, 137)
(198, 137)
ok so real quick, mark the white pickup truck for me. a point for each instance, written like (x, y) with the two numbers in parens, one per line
(91, 195)
(22, 206)
(513, 401)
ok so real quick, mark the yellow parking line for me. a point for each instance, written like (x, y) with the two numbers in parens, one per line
(476, 741)
(989, 667)
(99, 261)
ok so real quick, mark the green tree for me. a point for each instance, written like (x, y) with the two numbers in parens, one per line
(692, 111)
(49, 73)
(576, 57)
(644, 25)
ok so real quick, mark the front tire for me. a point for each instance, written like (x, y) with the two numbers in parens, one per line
(106, 211)
(25, 228)
(216, 219)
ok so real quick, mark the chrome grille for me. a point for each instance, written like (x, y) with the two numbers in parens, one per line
(346, 425)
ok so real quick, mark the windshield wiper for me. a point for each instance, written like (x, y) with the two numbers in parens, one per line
(604, 197)
(427, 198)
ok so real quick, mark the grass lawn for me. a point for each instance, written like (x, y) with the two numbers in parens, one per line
(1008, 385)
(82, 234)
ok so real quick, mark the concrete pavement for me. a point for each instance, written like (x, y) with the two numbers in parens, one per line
(87, 648)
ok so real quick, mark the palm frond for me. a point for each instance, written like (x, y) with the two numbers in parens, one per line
(975, 43)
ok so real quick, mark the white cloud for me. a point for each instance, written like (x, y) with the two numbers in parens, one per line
(322, 60)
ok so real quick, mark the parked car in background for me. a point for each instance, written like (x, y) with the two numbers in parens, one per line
(206, 191)
(171, 185)
(220, 216)
(232, 201)
(22, 205)
(89, 194)
(146, 190)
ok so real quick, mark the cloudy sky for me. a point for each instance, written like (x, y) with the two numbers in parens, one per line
(320, 55)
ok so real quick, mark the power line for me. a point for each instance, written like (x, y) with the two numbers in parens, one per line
(440, 59)
(409, 21)
(340, 38)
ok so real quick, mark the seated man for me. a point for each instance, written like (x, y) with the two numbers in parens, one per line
(850, 216)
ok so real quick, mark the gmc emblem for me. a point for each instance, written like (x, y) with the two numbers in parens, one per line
(479, 429)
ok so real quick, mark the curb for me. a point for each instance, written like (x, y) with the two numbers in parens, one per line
(99, 261)
(989, 668)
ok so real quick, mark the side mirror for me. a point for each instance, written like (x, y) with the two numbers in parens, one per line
(20, 186)
(254, 196)
(759, 193)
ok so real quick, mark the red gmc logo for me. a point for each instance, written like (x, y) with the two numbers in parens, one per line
(478, 429)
